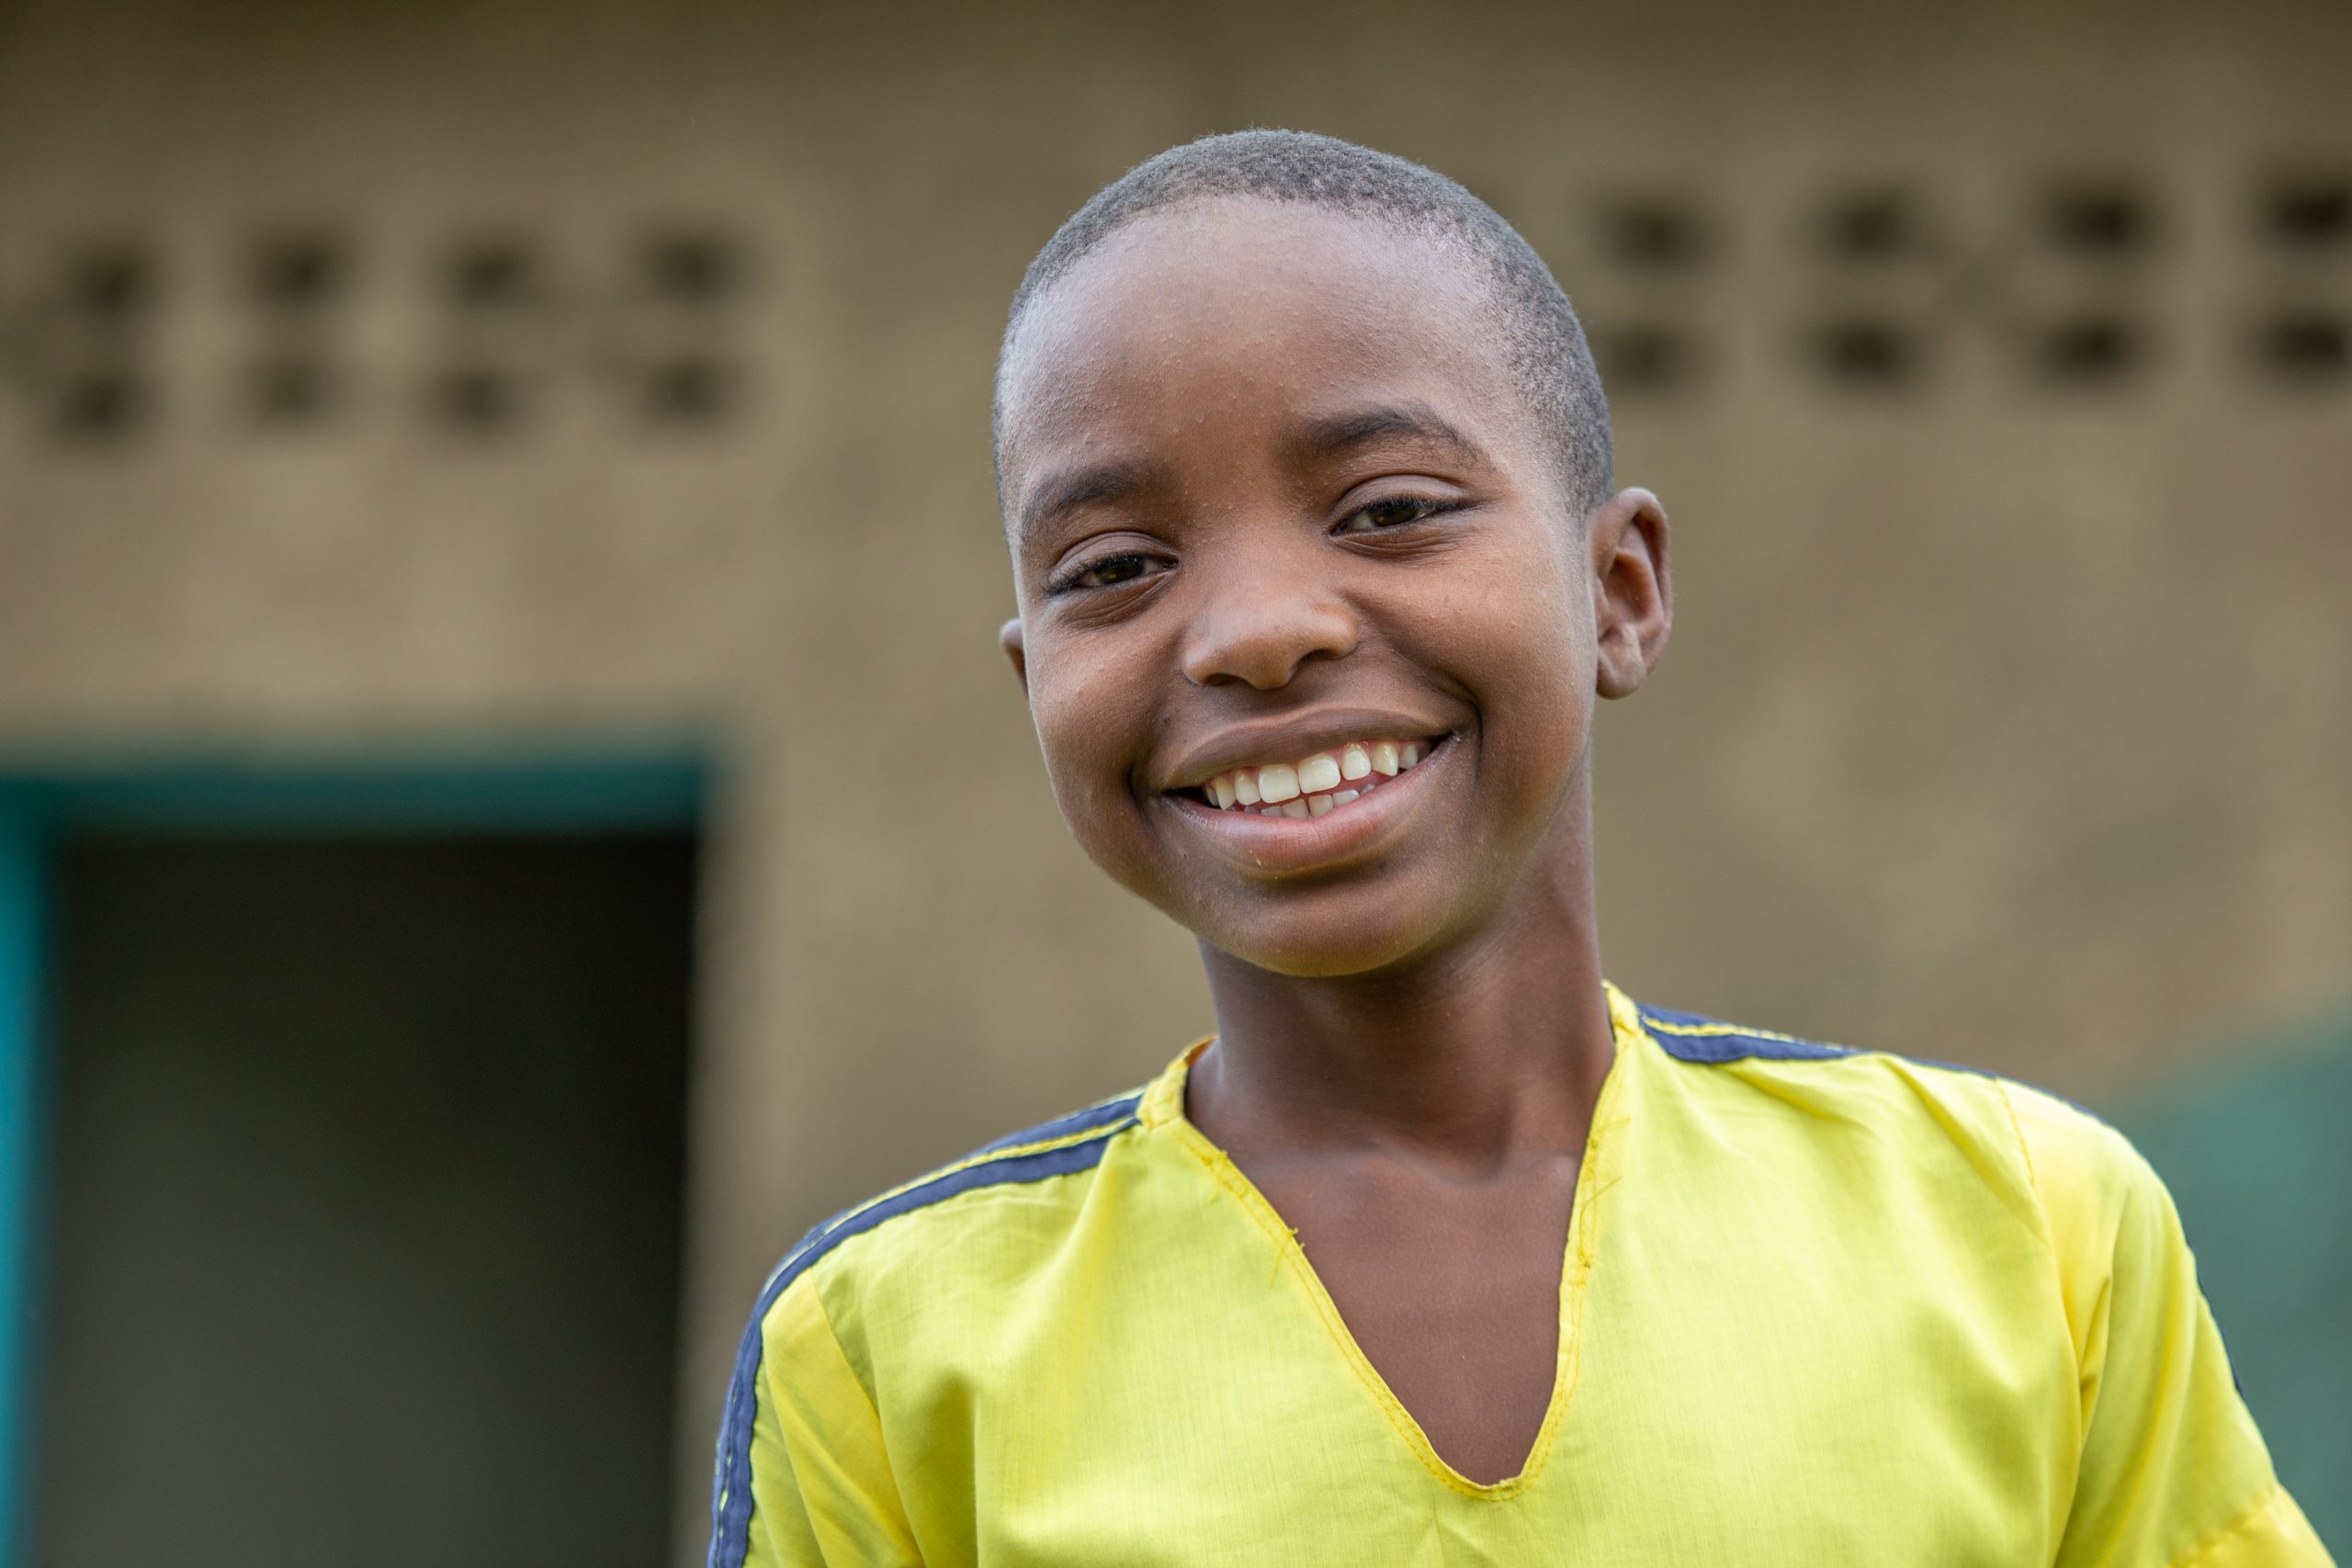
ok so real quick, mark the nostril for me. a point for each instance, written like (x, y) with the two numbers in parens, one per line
(1268, 656)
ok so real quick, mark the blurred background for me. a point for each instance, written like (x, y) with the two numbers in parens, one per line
(510, 808)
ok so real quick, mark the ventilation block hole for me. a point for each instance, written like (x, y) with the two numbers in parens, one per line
(688, 392)
(2090, 349)
(112, 282)
(292, 391)
(1640, 360)
(477, 400)
(2310, 213)
(2306, 346)
(1870, 354)
(1653, 236)
(298, 272)
(99, 405)
(493, 275)
(2110, 223)
(1871, 226)
(692, 269)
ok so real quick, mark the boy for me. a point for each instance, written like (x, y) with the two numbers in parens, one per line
(1440, 1250)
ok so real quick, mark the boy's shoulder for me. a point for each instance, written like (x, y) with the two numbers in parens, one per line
(1697, 1040)
(903, 1217)
(933, 1231)
(2071, 1171)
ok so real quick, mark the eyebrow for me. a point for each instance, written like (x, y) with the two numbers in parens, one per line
(1323, 438)
(1336, 436)
(1086, 486)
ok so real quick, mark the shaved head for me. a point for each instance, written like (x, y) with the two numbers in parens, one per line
(1537, 329)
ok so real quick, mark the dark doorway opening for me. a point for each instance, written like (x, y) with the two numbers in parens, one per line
(365, 1194)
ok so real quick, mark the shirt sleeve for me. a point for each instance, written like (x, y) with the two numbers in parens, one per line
(2172, 1472)
(804, 1480)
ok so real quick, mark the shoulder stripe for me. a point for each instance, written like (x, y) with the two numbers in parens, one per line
(1060, 1147)
(1099, 1115)
(1690, 1038)
(1687, 1037)
(1093, 1123)
(1030, 1160)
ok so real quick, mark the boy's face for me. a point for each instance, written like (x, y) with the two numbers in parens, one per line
(1278, 508)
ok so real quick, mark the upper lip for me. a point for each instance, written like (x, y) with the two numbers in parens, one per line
(1290, 738)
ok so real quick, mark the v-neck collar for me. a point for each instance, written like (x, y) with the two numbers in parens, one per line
(1162, 1111)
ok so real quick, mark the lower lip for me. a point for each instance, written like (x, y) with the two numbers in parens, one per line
(1278, 843)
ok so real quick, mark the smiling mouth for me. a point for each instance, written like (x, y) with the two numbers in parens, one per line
(1315, 785)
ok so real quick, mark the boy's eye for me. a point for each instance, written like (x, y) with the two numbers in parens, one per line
(1391, 512)
(1107, 573)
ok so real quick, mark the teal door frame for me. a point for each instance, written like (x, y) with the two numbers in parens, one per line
(23, 958)
(571, 790)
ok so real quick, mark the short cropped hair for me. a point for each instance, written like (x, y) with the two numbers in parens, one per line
(1541, 335)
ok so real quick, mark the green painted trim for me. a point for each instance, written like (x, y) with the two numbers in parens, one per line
(22, 908)
(581, 791)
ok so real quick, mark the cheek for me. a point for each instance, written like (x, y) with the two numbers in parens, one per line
(1527, 656)
(1069, 741)
(1086, 726)
(1553, 694)
(1529, 661)
(1533, 744)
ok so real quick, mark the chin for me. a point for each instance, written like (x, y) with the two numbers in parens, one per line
(1321, 949)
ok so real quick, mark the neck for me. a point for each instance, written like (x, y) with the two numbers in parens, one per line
(1490, 1051)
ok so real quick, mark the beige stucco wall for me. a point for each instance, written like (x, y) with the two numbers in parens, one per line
(2005, 722)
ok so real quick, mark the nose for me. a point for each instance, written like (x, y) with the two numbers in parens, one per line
(1259, 631)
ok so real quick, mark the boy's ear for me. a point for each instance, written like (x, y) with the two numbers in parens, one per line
(1633, 592)
(1008, 638)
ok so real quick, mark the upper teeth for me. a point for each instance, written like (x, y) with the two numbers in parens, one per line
(1312, 786)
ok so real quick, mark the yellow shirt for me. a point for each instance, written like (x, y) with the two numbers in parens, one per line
(1818, 1308)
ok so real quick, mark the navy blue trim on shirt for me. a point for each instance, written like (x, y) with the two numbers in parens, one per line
(1689, 1037)
(1101, 1115)
(730, 1507)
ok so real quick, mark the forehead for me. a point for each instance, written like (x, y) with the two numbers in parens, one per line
(1238, 315)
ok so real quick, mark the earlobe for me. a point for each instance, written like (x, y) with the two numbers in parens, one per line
(1632, 591)
(1008, 638)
